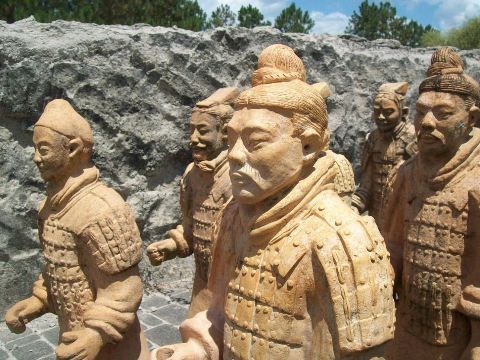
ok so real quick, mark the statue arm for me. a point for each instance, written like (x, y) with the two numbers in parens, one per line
(39, 290)
(394, 209)
(469, 303)
(118, 298)
(202, 334)
(183, 234)
(112, 249)
(28, 309)
(361, 196)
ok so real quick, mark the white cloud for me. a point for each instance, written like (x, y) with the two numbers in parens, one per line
(269, 9)
(452, 13)
(333, 23)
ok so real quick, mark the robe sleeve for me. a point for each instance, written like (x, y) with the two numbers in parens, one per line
(39, 290)
(206, 327)
(112, 250)
(183, 234)
(360, 199)
(469, 303)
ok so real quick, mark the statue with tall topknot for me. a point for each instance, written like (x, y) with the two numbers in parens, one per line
(296, 273)
(279, 63)
(386, 147)
(433, 221)
(91, 246)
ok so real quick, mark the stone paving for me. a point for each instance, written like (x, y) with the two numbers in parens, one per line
(160, 315)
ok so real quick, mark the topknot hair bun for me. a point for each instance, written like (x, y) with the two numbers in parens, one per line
(445, 61)
(278, 63)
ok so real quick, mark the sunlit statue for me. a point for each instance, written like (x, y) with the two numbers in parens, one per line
(386, 147)
(91, 246)
(432, 225)
(279, 63)
(204, 189)
(296, 273)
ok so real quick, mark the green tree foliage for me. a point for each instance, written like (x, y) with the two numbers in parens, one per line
(465, 37)
(380, 21)
(293, 19)
(221, 16)
(185, 14)
(250, 17)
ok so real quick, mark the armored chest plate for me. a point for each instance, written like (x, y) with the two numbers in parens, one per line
(64, 276)
(432, 265)
(266, 316)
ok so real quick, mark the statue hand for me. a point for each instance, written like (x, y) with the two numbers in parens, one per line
(161, 251)
(84, 344)
(472, 351)
(23, 312)
(190, 350)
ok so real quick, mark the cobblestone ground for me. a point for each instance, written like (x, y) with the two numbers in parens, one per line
(160, 315)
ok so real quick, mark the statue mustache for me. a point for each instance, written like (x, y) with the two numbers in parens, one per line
(434, 134)
(248, 172)
(198, 146)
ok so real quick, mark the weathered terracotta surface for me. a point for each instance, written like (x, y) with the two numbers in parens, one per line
(279, 63)
(386, 147)
(91, 246)
(433, 218)
(296, 273)
(204, 189)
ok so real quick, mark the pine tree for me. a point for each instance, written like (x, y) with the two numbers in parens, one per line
(221, 16)
(381, 22)
(250, 17)
(293, 19)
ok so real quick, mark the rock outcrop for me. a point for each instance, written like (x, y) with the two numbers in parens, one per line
(136, 86)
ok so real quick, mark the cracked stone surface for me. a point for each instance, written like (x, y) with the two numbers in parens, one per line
(136, 86)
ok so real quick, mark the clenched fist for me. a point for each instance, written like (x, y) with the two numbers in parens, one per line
(23, 312)
(161, 251)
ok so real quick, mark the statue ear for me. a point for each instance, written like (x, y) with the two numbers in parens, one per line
(474, 116)
(405, 111)
(75, 147)
(311, 144)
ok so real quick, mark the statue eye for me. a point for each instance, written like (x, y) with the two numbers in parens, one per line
(43, 150)
(254, 142)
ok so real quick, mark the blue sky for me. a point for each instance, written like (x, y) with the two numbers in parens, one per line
(332, 16)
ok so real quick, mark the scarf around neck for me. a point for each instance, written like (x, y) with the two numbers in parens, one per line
(270, 225)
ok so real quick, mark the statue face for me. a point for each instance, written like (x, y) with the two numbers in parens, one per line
(386, 114)
(206, 136)
(441, 123)
(51, 153)
(265, 158)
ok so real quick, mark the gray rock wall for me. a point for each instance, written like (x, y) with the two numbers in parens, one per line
(136, 86)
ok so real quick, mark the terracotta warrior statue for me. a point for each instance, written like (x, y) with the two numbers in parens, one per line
(91, 247)
(296, 273)
(433, 227)
(204, 189)
(279, 63)
(389, 145)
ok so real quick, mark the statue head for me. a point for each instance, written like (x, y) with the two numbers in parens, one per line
(447, 107)
(278, 63)
(388, 107)
(207, 126)
(63, 141)
(278, 130)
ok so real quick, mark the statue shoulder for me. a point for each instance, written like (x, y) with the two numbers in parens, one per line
(345, 179)
(355, 261)
(107, 226)
(187, 173)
